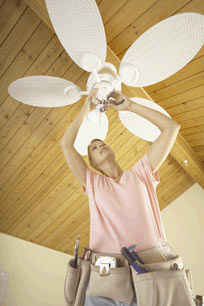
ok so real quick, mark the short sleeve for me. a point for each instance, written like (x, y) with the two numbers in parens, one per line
(89, 180)
(144, 170)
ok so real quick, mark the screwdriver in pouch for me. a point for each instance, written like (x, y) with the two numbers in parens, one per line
(135, 256)
(76, 248)
(131, 260)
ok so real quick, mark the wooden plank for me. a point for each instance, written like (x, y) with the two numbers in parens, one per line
(189, 115)
(58, 213)
(159, 11)
(199, 150)
(192, 6)
(21, 136)
(121, 54)
(125, 16)
(10, 146)
(108, 10)
(7, 109)
(193, 130)
(195, 139)
(182, 151)
(192, 122)
(10, 13)
(40, 66)
(8, 131)
(193, 81)
(188, 95)
(183, 183)
(49, 140)
(2, 3)
(45, 127)
(194, 66)
(183, 107)
(172, 176)
(80, 228)
(17, 37)
(25, 58)
(39, 7)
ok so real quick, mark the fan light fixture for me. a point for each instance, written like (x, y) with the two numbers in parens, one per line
(157, 54)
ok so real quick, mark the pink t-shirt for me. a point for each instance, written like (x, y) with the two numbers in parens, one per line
(126, 213)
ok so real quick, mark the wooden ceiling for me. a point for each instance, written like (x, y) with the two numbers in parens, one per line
(41, 200)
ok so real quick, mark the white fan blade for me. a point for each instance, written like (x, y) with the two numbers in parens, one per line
(80, 29)
(140, 126)
(91, 127)
(44, 91)
(163, 50)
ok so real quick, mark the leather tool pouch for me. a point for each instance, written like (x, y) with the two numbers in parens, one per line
(76, 282)
(116, 285)
(162, 285)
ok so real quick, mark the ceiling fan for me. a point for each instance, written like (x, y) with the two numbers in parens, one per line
(158, 53)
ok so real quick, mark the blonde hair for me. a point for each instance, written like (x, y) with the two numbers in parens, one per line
(89, 155)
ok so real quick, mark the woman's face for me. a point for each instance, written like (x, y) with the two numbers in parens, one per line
(99, 151)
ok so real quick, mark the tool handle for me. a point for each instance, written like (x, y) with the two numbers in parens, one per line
(74, 262)
(136, 257)
(131, 260)
(127, 255)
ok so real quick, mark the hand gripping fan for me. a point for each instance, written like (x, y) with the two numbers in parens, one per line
(140, 126)
(157, 54)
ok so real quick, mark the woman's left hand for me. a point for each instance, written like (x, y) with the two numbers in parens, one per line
(120, 102)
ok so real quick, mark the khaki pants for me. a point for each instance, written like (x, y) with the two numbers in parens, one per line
(160, 286)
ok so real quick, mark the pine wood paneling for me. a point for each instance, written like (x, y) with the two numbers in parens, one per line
(125, 16)
(10, 13)
(24, 59)
(193, 67)
(17, 38)
(191, 82)
(141, 23)
(159, 11)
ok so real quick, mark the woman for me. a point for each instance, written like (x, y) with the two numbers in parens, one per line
(124, 208)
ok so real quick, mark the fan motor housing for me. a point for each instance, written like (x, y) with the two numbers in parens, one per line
(105, 79)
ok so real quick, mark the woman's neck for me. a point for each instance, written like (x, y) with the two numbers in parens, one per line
(112, 169)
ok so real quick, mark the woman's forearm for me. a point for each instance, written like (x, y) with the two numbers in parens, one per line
(154, 116)
(71, 133)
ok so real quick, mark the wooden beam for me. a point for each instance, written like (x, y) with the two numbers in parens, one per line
(181, 151)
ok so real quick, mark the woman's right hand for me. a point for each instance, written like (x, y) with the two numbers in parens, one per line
(89, 104)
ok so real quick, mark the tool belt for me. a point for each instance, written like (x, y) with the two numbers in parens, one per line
(159, 286)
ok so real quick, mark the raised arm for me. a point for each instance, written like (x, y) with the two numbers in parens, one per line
(74, 160)
(161, 147)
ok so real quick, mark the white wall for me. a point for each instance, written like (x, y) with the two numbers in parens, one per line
(184, 225)
(37, 273)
